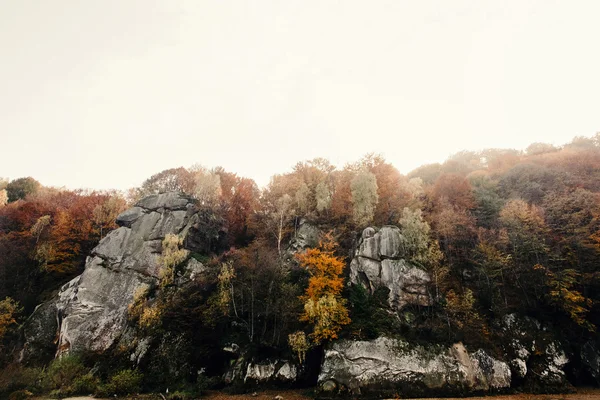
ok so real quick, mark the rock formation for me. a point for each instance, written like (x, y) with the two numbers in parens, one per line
(387, 366)
(90, 312)
(378, 263)
(535, 354)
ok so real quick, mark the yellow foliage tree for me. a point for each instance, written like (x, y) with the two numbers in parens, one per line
(324, 307)
(299, 345)
(172, 255)
(563, 295)
(8, 310)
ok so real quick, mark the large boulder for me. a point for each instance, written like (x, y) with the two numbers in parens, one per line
(536, 355)
(387, 366)
(590, 358)
(306, 236)
(90, 312)
(247, 372)
(378, 263)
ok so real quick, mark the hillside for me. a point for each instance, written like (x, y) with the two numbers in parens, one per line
(476, 275)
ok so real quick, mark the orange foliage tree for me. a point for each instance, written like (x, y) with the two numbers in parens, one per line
(324, 306)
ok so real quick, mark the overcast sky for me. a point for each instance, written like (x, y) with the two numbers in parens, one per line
(103, 94)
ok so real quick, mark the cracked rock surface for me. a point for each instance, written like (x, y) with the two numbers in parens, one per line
(378, 262)
(387, 365)
(90, 312)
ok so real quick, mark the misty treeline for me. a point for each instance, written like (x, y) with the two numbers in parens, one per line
(499, 231)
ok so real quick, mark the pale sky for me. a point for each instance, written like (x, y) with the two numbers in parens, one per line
(103, 94)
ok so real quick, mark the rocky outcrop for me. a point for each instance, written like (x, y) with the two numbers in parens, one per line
(90, 312)
(387, 366)
(306, 235)
(378, 263)
(247, 372)
(590, 358)
(536, 356)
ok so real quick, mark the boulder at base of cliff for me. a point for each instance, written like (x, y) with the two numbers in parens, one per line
(590, 359)
(266, 372)
(390, 367)
(536, 356)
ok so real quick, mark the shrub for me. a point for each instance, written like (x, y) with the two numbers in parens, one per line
(15, 377)
(20, 395)
(126, 382)
(61, 374)
(86, 384)
(180, 396)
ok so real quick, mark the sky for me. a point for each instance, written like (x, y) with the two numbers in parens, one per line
(103, 94)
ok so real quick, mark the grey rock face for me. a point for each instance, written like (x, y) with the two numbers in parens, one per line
(384, 366)
(389, 242)
(307, 235)
(378, 263)
(275, 371)
(590, 358)
(91, 311)
(535, 354)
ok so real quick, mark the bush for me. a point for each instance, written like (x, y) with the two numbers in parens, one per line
(86, 384)
(180, 396)
(20, 395)
(62, 373)
(125, 382)
(15, 377)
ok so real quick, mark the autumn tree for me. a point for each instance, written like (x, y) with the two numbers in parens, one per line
(8, 312)
(207, 186)
(428, 173)
(392, 192)
(255, 293)
(3, 197)
(418, 247)
(172, 255)
(22, 187)
(169, 180)
(526, 231)
(562, 293)
(105, 214)
(364, 197)
(324, 307)
(323, 197)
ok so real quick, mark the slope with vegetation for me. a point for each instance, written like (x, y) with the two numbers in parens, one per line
(501, 233)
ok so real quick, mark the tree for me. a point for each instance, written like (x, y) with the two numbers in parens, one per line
(454, 190)
(428, 173)
(3, 197)
(415, 236)
(364, 197)
(540, 148)
(105, 214)
(207, 187)
(419, 248)
(280, 218)
(323, 197)
(324, 306)
(526, 231)
(20, 188)
(8, 311)
(302, 198)
(169, 180)
(563, 295)
(172, 255)
(38, 228)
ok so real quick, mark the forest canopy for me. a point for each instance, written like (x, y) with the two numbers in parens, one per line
(499, 230)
